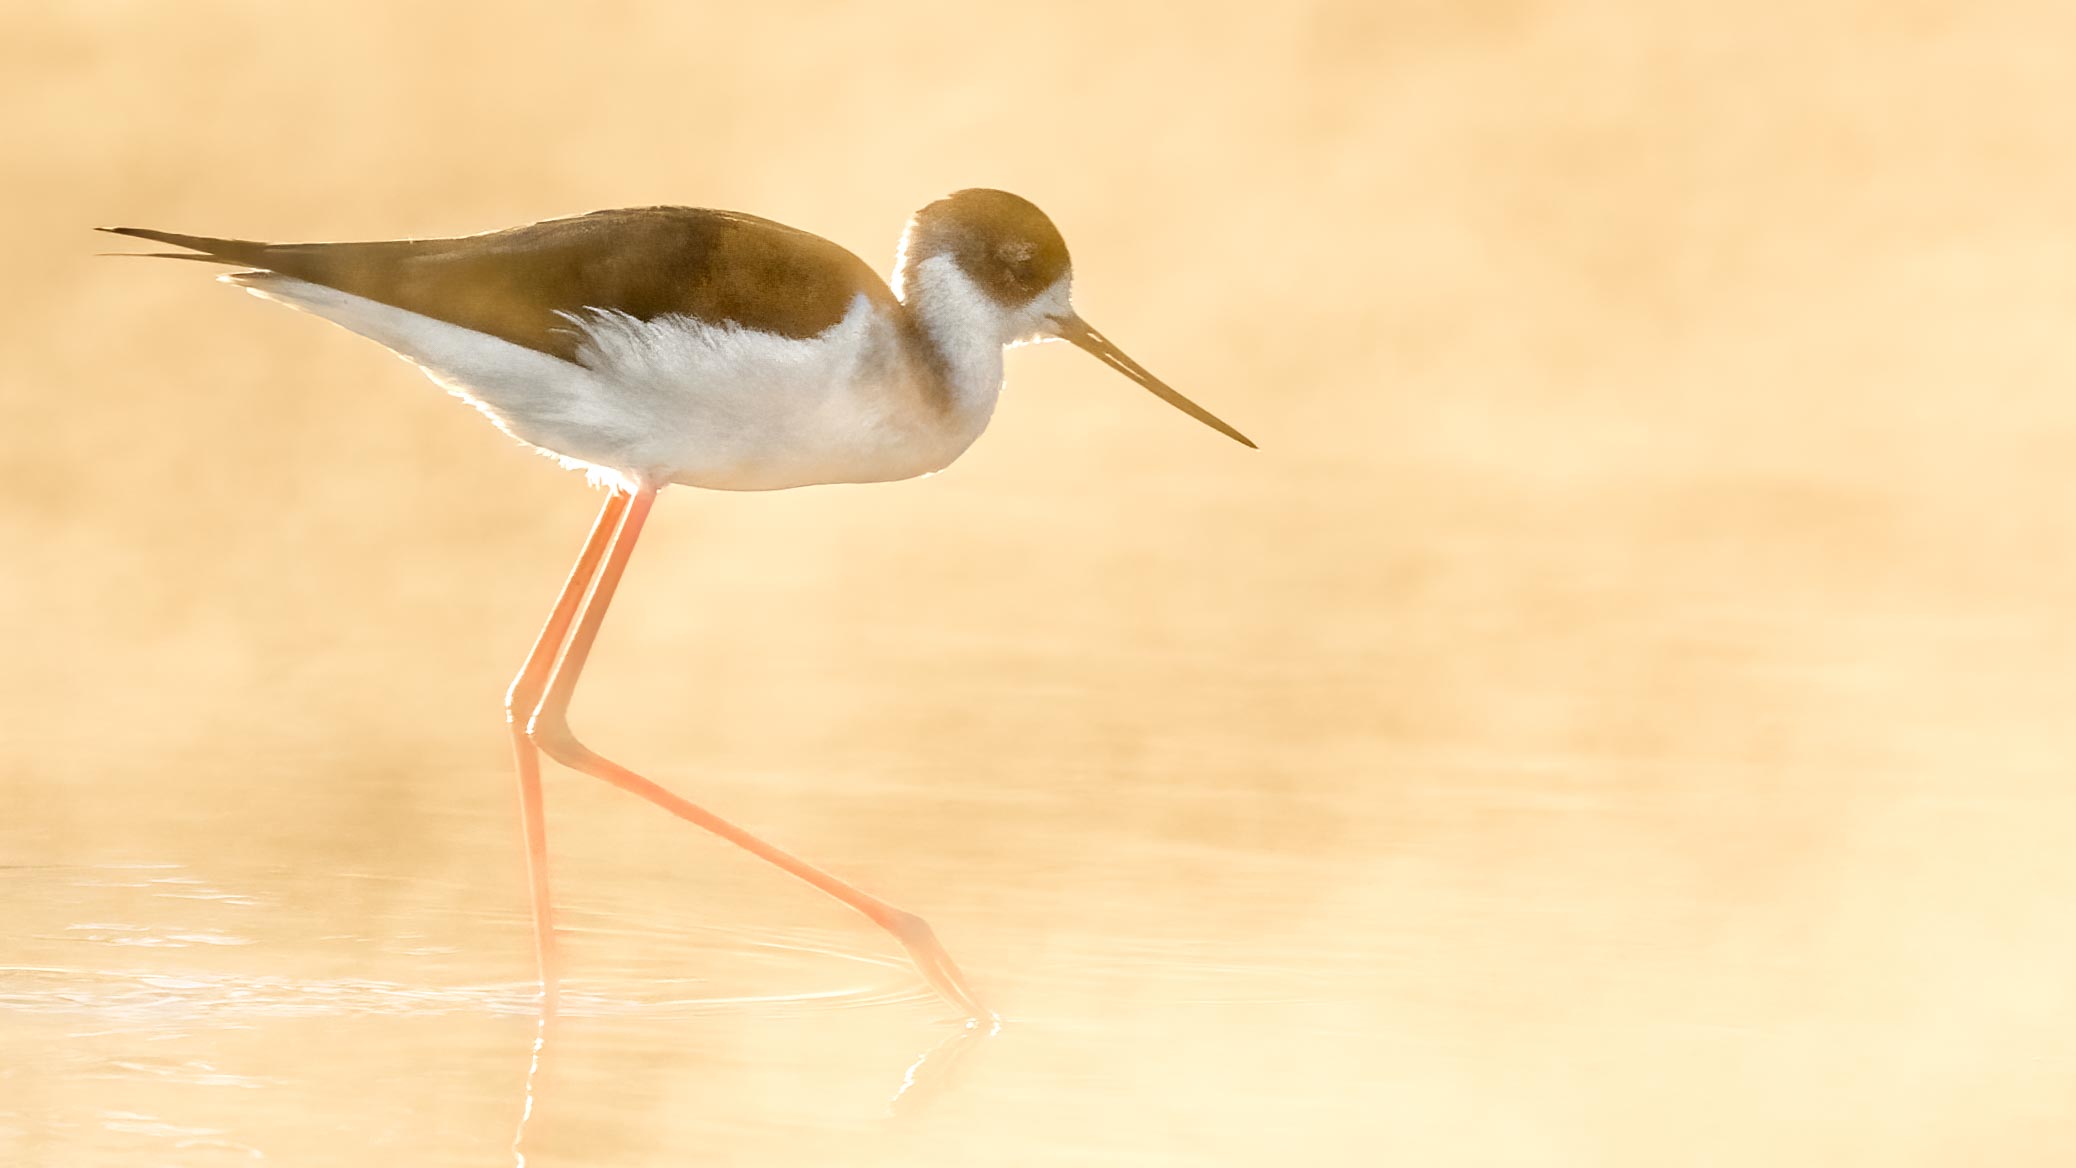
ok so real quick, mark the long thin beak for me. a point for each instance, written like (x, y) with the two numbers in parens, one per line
(1073, 328)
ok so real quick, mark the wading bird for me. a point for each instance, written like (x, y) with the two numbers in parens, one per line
(661, 345)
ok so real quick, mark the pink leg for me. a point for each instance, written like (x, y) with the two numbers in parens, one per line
(549, 729)
(520, 700)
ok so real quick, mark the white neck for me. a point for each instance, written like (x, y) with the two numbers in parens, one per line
(968, 330)
(962, 327)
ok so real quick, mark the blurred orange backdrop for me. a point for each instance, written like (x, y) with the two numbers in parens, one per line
(1621, 715)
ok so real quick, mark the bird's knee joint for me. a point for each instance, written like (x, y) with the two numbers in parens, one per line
(553, 736)
(909, 928)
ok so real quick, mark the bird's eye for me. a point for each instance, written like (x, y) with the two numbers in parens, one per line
(1017, 267)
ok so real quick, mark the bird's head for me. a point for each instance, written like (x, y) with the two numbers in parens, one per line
(992, 261)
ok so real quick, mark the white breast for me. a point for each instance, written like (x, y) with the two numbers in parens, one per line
(687, 401)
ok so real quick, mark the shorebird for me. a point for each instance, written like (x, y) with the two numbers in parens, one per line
(659, 345)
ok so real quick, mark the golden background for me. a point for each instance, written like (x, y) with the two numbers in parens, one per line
(1621, 716)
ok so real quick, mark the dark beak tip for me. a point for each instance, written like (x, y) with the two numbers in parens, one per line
(1077, 332)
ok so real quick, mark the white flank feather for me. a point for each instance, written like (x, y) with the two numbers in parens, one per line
(689, 401)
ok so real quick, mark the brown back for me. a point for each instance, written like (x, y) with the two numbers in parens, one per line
(644, 261)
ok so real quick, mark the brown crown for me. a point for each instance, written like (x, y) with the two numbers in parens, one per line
(1005, 245)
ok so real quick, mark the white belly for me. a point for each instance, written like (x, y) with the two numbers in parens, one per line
(680, 400)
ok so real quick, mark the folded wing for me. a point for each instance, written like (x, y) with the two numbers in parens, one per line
(524, 284)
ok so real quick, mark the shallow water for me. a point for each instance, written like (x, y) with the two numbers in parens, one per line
(1621, 716)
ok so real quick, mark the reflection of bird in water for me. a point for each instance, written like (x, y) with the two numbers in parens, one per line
(664, 345)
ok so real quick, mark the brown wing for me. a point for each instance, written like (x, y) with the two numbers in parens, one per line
(643, 261)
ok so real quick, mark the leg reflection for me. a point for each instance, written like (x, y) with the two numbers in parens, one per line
(543, 1023)
(935, 1071)
(931, 1075)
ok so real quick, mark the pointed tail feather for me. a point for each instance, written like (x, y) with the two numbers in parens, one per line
(211, 249)
(167, 255)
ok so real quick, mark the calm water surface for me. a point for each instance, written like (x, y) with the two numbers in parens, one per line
(1688, 869)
